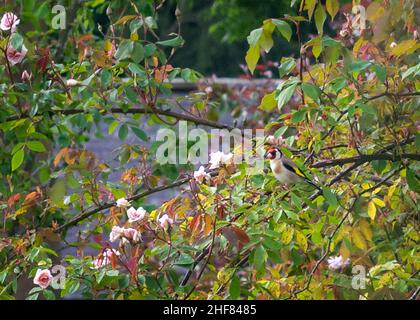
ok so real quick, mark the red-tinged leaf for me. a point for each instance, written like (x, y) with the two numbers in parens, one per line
(195, 224)
(13, 199)
(242, 236)
(44, 59)
(132, 267)
(114, 260)
(85, 37)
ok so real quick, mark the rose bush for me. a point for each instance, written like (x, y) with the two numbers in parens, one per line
(346, 107)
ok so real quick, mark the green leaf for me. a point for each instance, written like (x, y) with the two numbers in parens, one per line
(113, 126)
(106, 77)
(380, 72)
(178, 41)
(138, 52)
(48, 294)
(124, 50)
(252, 57)
(235, 288)
(36, 146)
(260, 257)
(131, 94)
(287, 65)
(57, 192)
(134, 68)
(268, 102)
(139, 133)
(16, 41)
(254, 37)
(311, 91)
(320, 17)
(285, 95)
(284, 28)
(298, 116)
(184, 259)
(122, 133)
(412, 180)
(330, 197)
(17, 159)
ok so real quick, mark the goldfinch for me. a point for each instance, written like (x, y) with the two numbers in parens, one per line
(284, 169)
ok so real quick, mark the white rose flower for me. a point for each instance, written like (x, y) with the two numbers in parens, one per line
(217, 158)
(201, 174)
(122, 203)
(337, 263)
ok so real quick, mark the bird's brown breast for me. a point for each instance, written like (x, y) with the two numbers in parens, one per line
(276, 167)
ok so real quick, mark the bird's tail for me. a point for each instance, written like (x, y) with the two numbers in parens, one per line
(313, 184)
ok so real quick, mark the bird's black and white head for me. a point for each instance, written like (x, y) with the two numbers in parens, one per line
(273, 154)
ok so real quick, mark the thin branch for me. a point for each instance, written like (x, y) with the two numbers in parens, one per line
(365, 158)
(107, 205)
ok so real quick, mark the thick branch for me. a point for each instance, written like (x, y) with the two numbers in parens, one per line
(168, 113)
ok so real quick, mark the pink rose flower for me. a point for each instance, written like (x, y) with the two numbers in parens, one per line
(9, 22)
(116, 233)
(43, 278)
(26, 76)
(104, 258)
(131, 234)
(15, 56)
(165, 222)
(135, 215)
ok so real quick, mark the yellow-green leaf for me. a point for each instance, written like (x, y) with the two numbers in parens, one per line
(269, 102)
(366, 230)
(378, 202)
(301, 241)
(287, 235)
(406, 47)
(358, 239)
(332, 7)
(372, 210)
(252, 57)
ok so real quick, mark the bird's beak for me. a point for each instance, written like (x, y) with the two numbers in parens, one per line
(267, 155)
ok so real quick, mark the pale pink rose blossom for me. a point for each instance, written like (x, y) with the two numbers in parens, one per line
(131, 234)
(116, 233)
(104, 258)
(135, 215)
(337, 263)
(217, 158)
(201, 174)
(165, 222)
(274, 141)
(72, 82)
(9, 21)
(122, 203)
(208, 90)
(43, 278)
(14, 56)
(26, 76)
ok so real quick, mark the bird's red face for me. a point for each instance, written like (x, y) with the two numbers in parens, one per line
(273, 153)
